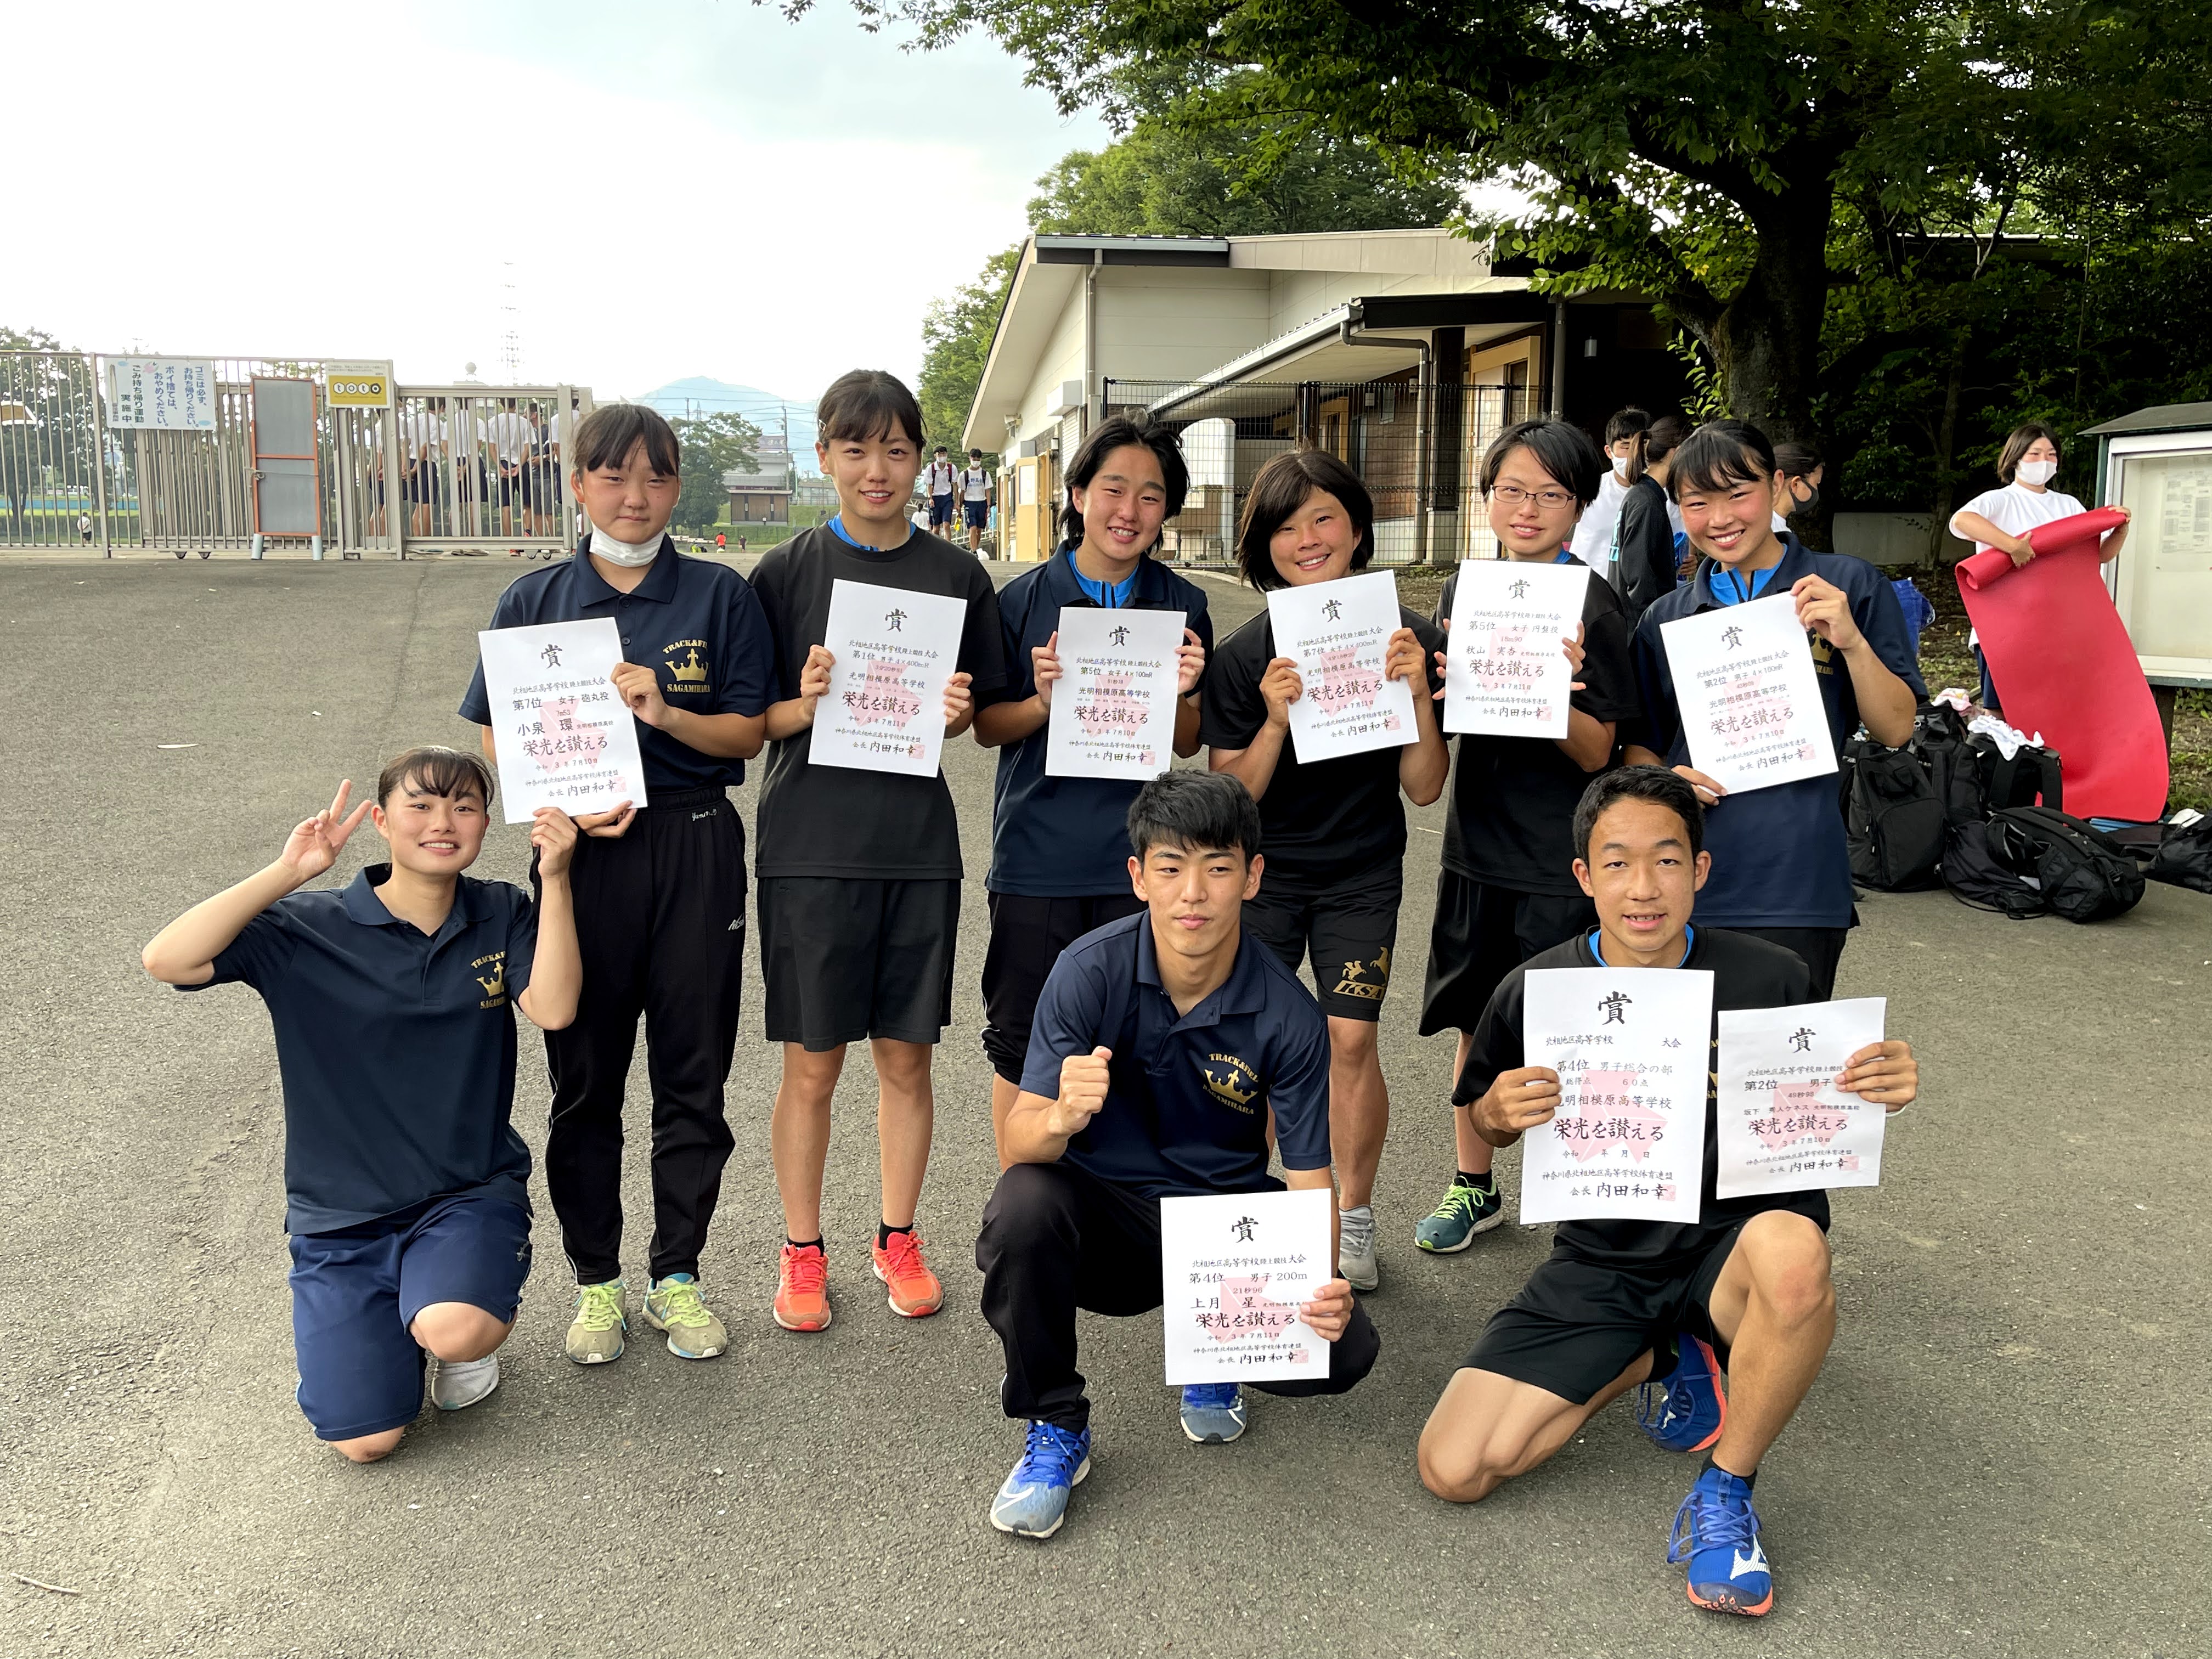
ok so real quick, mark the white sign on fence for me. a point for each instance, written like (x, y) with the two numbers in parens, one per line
(162, 394)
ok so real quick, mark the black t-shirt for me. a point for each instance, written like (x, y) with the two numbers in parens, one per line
(840, 820)
(1314, 820)
(1510, 823)
(1747, 973)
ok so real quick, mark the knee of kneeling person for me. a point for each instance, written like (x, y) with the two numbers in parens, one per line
(369, 1448)
(1352, 1042)
(1462, 1468)
(1022, 1207)
(1790, 1265)
(459, 1330)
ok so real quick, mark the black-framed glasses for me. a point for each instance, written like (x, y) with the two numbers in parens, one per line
(1550, 500)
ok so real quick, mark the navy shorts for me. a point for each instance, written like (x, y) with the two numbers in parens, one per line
(356, 1291)
(940, 510)
(979, 514)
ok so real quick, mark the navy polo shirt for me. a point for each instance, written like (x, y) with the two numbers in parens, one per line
(1780, 858)
(395, 1047)
(695, 621)
(1186, 1108)
(1066, 837)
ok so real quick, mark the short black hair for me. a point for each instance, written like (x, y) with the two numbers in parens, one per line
(1197, 812)
(1284, 485)
(940, 449)
(434, 769)
(1563, 451)
(866, 405)
(974, 454)
(1720, 453)
(606, 436)
(1121, 432)
(1625, 423)
(1656, 784)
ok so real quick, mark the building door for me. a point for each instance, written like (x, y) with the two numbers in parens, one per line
(288, 496)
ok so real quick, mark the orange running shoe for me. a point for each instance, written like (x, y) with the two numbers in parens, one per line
(802, 1291)
(916, 1293)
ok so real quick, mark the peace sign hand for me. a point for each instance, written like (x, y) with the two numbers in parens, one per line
(313, 845)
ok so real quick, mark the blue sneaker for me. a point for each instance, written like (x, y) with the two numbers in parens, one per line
(1717, 1532)
(1213, 1412)
(1684, 1410)
(1033, 1502)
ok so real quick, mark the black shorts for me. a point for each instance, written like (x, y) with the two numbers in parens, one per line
(512, 488)
(1027, 936)
(1820, 948)
(1576, 1324)
(979, 514)
(1347, 928)
(845, 958)
(1481, 934)
(940, 510)
(541, 489)
(424, 484)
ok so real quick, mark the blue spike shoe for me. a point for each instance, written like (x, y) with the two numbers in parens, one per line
(1684, 1411)
(1033, 1501)
(1717, 1533)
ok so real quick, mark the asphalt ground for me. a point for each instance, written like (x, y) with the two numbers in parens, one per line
(2006, 1453)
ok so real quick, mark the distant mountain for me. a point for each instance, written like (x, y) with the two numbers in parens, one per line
(769, 411)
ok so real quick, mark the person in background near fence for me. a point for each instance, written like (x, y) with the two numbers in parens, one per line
(423, 449)
(1594, 536)
(1506, 889)
(660, 893)
(975, 499)
(1059, 851)
(509, 438)
(1650, 549)
(1173, 1053)
(941, 485)
(859, 871)
(1665, 1306)
(407, 1190)
(1335, 828)
(1781, 867)
(2002, 517)
(541, 486)
(1802, 469)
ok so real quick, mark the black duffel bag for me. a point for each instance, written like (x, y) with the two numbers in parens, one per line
(2185, 855)
(1892, 816)
(2080, 873)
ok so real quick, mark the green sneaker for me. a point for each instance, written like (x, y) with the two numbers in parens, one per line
(1466, 1210)
(674, 1305)
(595, 1335)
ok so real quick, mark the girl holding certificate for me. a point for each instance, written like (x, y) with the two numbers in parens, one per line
(1507, 888)
(1334, 830)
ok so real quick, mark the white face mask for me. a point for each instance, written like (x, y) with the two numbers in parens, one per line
(2036, 472)
(628, 555)
(1620, 467)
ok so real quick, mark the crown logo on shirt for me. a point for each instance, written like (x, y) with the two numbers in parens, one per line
(690, 670)
(495, 985)
(1222, 1083)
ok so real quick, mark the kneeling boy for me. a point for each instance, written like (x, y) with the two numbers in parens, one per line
(1159, 1042)
(1665, 1306)
(407, 1189)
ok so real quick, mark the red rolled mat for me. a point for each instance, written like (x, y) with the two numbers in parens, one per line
(2063, 667)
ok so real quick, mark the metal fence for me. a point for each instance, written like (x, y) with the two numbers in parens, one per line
(263, 458)
(1417, 446)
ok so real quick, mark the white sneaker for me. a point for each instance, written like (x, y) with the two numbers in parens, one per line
(455, 1383)
(1355, 1249)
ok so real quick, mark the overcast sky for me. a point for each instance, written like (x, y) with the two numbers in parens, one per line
(671, 187)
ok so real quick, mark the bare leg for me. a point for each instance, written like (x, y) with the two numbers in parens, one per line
(1774, 1304)
(906, 1110)
(1003, 1096)
(1475, 1153)
(1488, 1429)
(1358, 1107)
(370, 1448)
(458, 1331)
(799, 1134)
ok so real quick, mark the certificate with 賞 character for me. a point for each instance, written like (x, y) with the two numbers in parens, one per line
(1749, 698)
(1235, 1269)
(1783, 1125)
(895, 651)
(1505, 664)
(1114, 708)
(1628, 1139)
(1337, 633)
(563, 735)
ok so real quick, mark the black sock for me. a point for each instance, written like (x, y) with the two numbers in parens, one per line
(884, 1231)
(1487, 1179)
(1749, 1481)
(803, 1243)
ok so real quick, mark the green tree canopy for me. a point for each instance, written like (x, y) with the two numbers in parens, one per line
(712, 445)
(1734, 162)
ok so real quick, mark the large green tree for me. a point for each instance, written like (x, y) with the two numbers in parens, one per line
(1165, 179)
(712, 445)
(1718, 154)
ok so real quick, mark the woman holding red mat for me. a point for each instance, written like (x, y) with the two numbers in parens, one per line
(2002, 517)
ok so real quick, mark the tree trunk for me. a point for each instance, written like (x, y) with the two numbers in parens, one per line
(1947, 447)
(1766, 340)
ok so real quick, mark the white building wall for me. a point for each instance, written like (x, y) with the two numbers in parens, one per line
(1168, 323)
(1061, 360)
